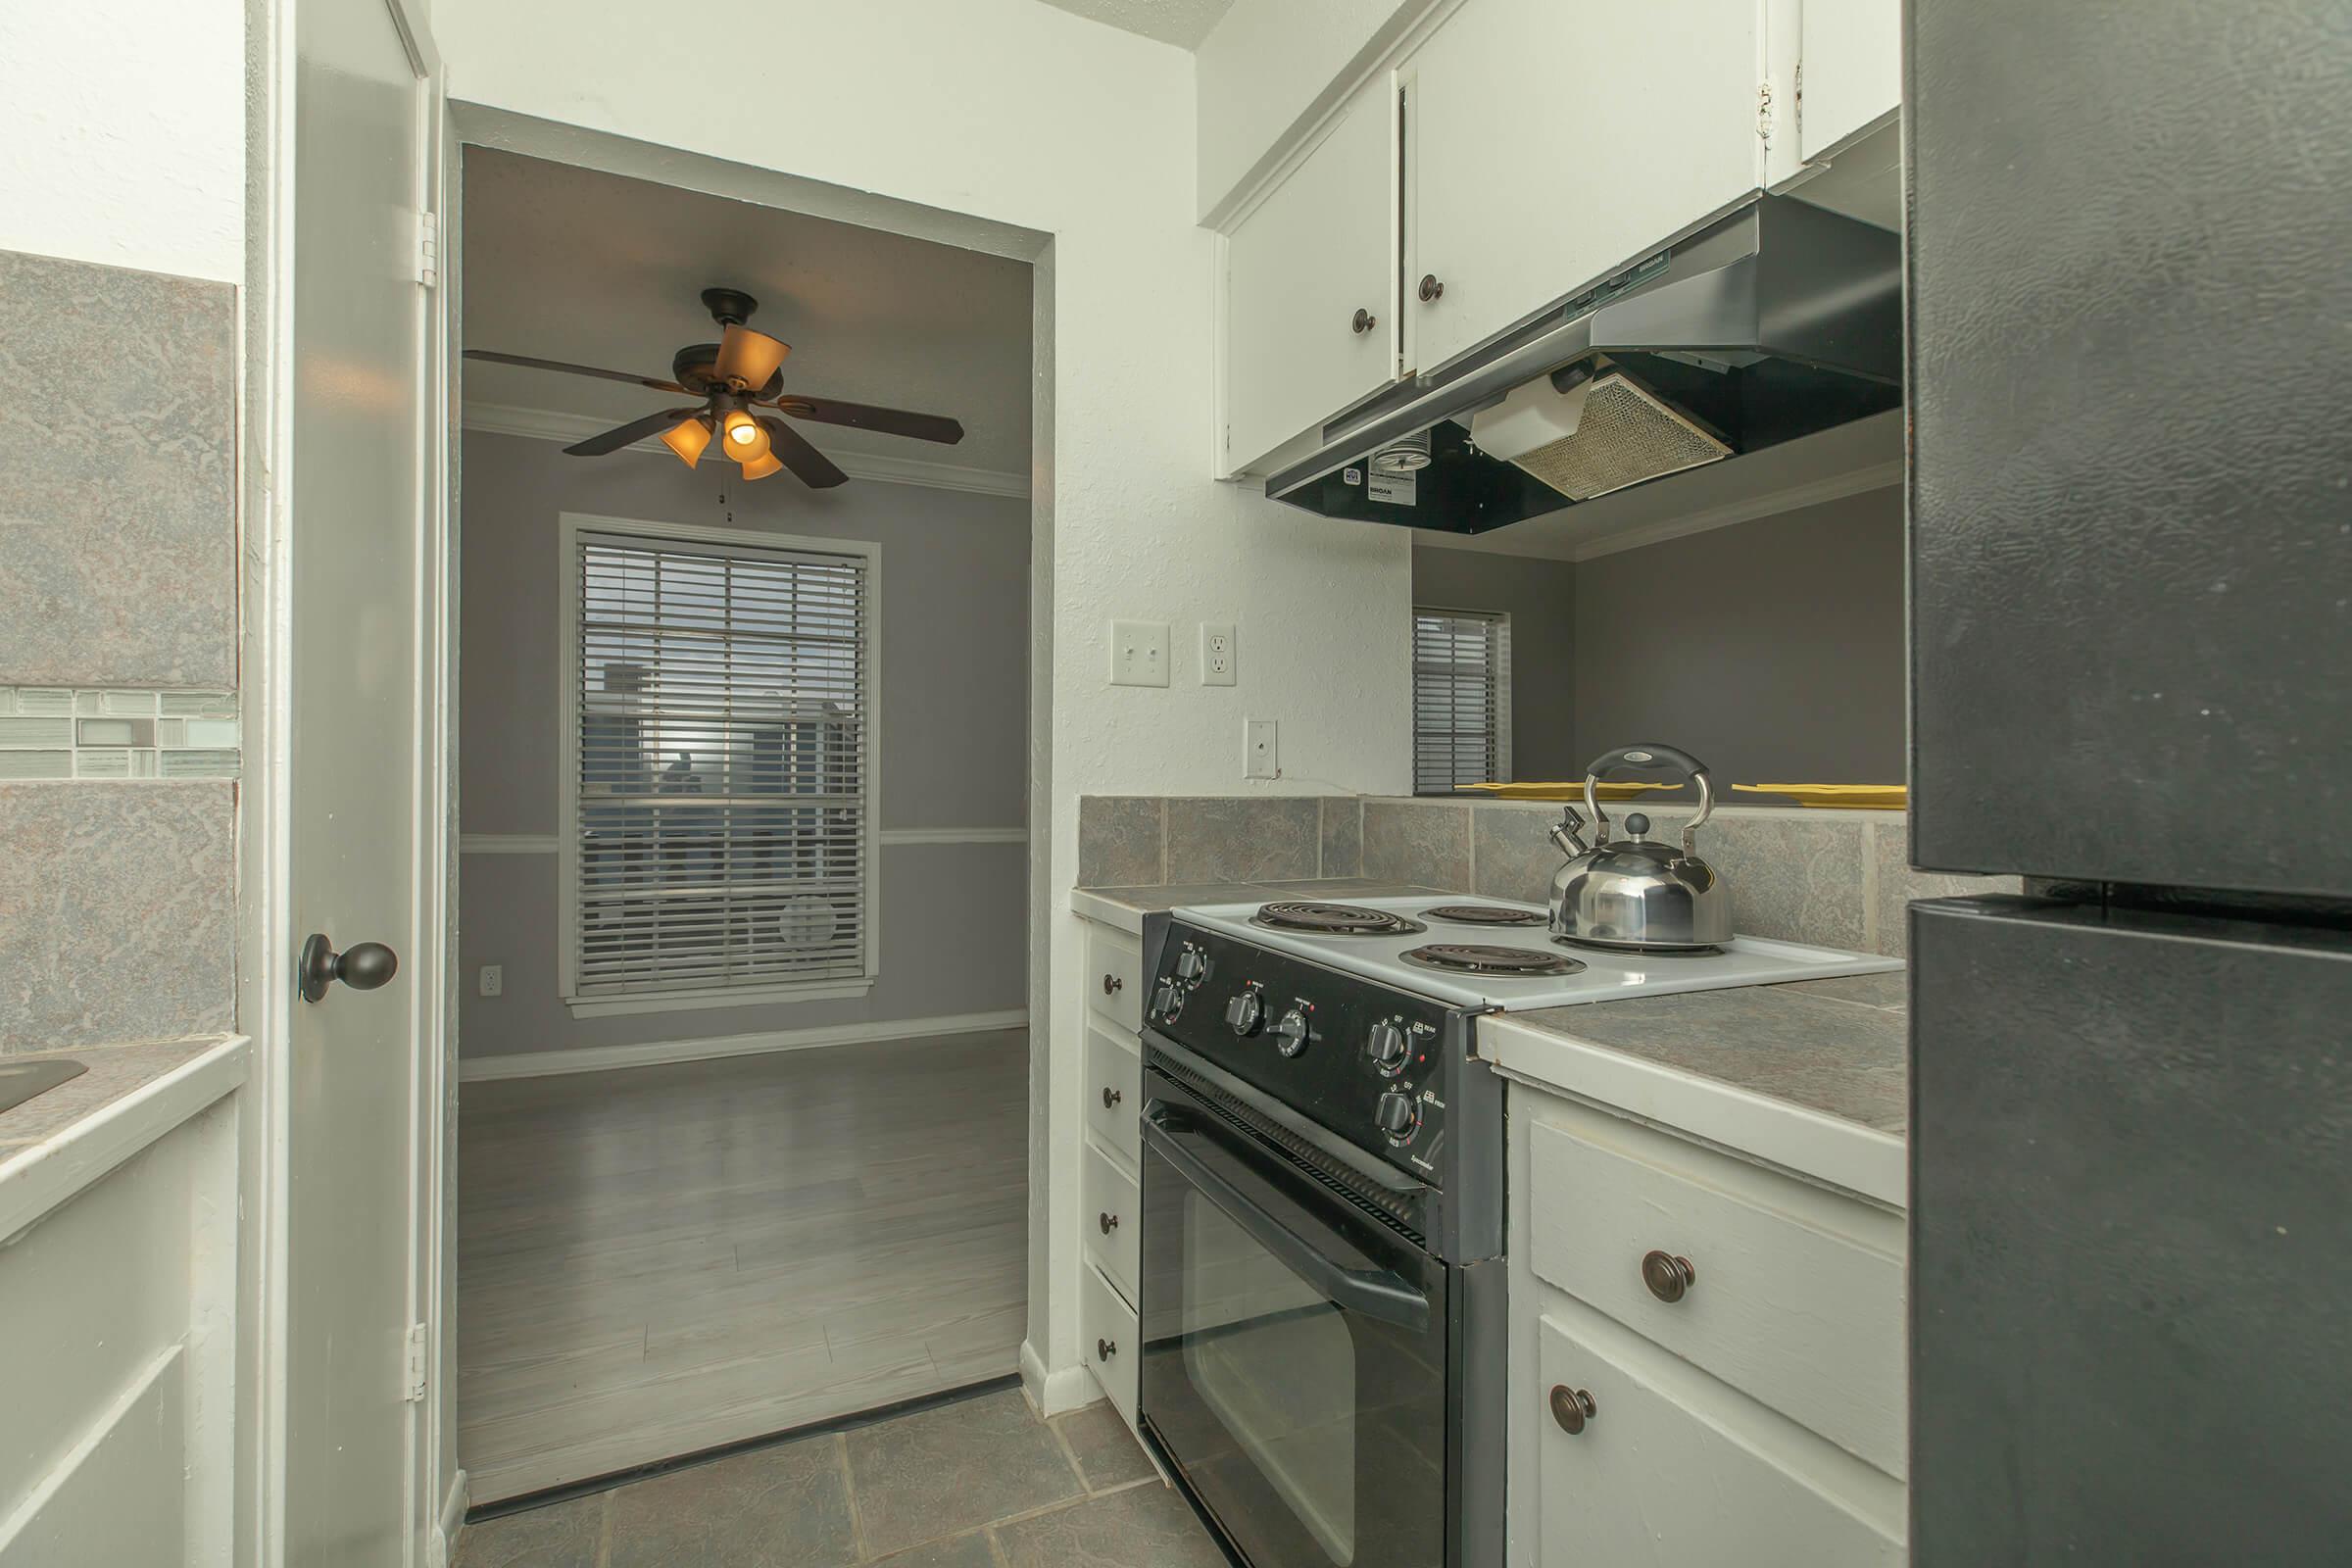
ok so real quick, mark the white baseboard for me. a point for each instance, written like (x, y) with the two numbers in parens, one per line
(439, 1551)
(1053, 1392)
(603, 1058)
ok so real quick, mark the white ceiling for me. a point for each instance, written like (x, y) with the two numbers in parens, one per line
(563, 263)
(1182, 22)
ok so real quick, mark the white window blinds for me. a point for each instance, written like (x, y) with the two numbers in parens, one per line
(1461, 699)
(722, 721)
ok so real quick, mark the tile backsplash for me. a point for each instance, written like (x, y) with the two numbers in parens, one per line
(1839, 879)
(60, 732)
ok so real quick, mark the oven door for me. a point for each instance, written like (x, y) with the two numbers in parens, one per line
(1293, 1365)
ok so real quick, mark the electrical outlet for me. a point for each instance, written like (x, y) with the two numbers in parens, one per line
(1139, 653)
(1217, 657)
(494, 979)
(1258, 755)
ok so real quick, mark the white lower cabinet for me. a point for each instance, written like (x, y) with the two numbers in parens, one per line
(1110, 1248)
(1107, 1218)
(1108, 1337)
(1705, 1361)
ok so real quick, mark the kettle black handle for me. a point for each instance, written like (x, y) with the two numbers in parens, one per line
(1652, 758)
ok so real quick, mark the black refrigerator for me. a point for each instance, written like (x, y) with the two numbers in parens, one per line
(2129, 253)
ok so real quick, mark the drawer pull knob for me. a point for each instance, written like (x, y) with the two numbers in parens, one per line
(1571, 1407)
(1110, 1097)
(1363, 321)
(1431, 290)
(1109, 1221)
(1104, 1349)
(1668, 1277)
(1112, 984)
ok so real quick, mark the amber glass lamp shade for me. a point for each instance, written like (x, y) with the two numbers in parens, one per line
(761, 467)
(743, 438)
(687, 438)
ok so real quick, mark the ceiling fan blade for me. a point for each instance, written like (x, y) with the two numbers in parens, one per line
(810, 466)
(621, 435)
(866, 416)
(748, 356)
(530, 364)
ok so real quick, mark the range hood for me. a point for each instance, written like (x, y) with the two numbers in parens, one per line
(1778, 320)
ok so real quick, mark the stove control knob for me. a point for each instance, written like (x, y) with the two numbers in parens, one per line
(1167, 1000)
(1387, 1047)
(1290, 1034)
(1192, 964)
(1398, 1116)
(1247, 1011)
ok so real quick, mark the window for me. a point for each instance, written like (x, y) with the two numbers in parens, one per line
(720, 801)
(1461, 699)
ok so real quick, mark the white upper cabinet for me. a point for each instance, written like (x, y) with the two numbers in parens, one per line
(1312, 284)
(1851, 71)
(1549, 143)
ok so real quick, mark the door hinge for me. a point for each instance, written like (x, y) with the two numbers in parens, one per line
(1764, 114)
(412, 1371)
(1797, 113)
(428, 249)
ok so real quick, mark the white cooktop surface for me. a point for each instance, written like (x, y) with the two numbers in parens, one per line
(1605, 977)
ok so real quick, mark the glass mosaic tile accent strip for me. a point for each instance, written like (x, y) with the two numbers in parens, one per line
(52, 732)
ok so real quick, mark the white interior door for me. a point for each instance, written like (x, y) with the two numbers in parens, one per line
(356, 489)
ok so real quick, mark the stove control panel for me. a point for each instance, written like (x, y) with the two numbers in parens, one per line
(1360, 1058)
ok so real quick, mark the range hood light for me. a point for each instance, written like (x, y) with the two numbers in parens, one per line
(1533, 415)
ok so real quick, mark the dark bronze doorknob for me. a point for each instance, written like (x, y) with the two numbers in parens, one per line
(1430, 289)
(1571, 1407)
(1668, 1277)
(365, 966)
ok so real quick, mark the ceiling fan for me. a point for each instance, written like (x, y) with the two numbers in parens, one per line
(733, 376)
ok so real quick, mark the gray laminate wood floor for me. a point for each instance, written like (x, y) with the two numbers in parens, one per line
(664, 1260)
(978, 1484)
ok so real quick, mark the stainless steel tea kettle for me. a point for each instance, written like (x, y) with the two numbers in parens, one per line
(1636, 893)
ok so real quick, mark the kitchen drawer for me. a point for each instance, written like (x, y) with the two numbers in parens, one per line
(1114, 1072)
(1656, 1477)
(1795, 1295)
(1108, 1340)
(1114, 976)
(1110, 1220)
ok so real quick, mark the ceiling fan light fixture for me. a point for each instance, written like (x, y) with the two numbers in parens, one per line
(745, 438)
(688, 438)
(761, 467)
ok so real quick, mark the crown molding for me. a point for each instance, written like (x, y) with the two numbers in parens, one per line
(545, 424)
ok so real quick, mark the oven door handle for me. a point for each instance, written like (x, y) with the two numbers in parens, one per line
(1375, 1293)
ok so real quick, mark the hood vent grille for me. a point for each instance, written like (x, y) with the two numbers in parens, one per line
(1624, 435)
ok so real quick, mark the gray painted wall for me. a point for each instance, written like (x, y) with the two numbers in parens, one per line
(1772, 650)
(954, 636)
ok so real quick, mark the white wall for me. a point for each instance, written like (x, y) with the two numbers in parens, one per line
(1024, 115)
(123, 133)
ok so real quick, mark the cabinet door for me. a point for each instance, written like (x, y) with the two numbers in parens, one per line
(1650, 1480)
(1321, 247)
(1549, 143)
(1851, 61)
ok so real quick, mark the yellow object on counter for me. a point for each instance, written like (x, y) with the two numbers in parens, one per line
(1608, 790)
(1849, 797)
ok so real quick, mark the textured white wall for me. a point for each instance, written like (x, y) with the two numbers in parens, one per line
(123, 133)
(1014, 111)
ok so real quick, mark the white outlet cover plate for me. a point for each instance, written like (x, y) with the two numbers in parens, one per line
(1261, 758)
(1218, 655)
(1139, 653)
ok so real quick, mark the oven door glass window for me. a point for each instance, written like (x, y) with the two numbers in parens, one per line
(1293, 1364)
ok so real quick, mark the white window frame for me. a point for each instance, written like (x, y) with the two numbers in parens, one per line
(1501, 619)
(571, 526)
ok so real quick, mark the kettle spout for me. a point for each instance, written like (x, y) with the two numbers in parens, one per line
(1569, 836)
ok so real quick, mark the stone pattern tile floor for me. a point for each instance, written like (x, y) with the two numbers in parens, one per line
(977, 1483)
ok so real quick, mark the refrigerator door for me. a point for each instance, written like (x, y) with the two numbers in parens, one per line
(2130, 265)
(2132, 1238)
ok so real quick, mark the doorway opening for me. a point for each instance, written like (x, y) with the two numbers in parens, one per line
(743, 789)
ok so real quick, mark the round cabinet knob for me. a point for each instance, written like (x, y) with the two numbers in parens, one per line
(1245, 1011)
(1112, 1099)
(1571, 1407)
(1431, 290)
(1363, 321)
(1291, 1032)
(1108, 1220)
(1112, 984)
(1668, 1277)
(1104, 1349)
(1387, 1047)
(1397, 1117)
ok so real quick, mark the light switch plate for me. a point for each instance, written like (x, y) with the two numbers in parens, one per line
(1139, 653)
(1217, 655)
(1259, 758)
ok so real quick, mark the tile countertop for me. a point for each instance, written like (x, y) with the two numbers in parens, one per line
(56, 1143)
(1813, 1076)
(1125, 907)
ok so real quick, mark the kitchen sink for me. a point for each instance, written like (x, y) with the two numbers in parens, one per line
(20, 1081)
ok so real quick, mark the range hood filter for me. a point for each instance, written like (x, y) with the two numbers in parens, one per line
(1624, 435)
